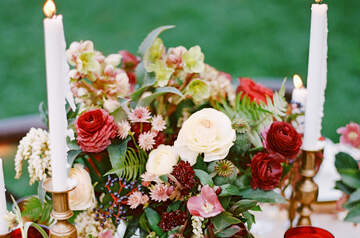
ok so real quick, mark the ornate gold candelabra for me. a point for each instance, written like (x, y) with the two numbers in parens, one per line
(306, 190)
(61, 212)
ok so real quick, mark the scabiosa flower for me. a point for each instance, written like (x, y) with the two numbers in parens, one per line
(159, 192)
(184, 176)
(350, 134)
(139, 114)
(170, 220)
(134, 200)
(225, 168)
(158, 123)
(123, 129)
(146, 141)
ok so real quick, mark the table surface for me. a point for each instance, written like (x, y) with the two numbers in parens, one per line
(272, 222)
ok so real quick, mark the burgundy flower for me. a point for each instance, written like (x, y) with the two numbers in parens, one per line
(282, 138)
(129, 60)
(266, 170)
(185, 177)
(170, 220)
(256, 92)
(95, 129)
(206, 204)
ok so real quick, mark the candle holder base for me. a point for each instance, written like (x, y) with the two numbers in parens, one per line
(61, 211)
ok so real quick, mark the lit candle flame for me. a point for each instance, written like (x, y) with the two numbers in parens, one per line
(297, 81)
(49, 8)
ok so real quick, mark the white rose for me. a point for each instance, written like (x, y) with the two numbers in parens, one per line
(161, 160)
(111, 105)
(207, 131)
(83, 196)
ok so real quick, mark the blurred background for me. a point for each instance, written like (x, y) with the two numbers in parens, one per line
(258, 39)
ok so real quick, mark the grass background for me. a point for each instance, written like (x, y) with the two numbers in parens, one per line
(242, 37)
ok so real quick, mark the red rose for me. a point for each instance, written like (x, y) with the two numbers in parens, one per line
(266, 170)
(256, 92)
(282, 138)
(94, 130)
(129, 61)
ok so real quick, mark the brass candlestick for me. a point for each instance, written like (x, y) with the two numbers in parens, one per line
(61, 212)
(5, 235)
(306, 190)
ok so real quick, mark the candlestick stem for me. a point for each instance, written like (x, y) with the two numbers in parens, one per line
(61, 212)
(5, 235)
(306, 190)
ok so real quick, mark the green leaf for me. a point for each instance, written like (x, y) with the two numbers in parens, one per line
(343, 187)
(173, 206)
(354, 197)
(32, 208)
(153, 218)
(204, 177)
(164, 178)
(143, 223)
(345, 161)
(262, 196)
(131, 228)
(225, 201)
(44, 115)
(147, 42)
(243, 205)
(229, 232)
(229, 190)
(224, 220)
(350, 177)
(200, 163)
(72, 155)
(353, 215)
(250, 219)
(158, 92)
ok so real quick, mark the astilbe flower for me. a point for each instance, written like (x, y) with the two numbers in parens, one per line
(183, 177)
(170, 220)
(35, 148)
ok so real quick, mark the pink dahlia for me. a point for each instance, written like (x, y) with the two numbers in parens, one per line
(206, 204)
(134, 200)
(350, 134)
(95, 129)
(159, 192)
(139, 114)
(146, 141)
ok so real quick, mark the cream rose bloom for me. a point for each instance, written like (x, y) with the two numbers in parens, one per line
(207, 131)
(161, 160)
(83, 196)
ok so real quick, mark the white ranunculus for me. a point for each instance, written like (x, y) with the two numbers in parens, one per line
(161, 160)
(207, 131)
(111, 105)
(83, 196)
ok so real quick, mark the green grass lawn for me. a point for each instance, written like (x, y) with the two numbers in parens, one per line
(242, 37)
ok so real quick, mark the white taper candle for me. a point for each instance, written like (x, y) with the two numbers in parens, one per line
(4, 226)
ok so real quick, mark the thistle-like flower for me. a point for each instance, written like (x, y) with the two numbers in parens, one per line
(225, 168)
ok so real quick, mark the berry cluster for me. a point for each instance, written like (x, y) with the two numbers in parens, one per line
(170, 220)
(115, 201)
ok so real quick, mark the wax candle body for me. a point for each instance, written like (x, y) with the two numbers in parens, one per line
(4, 226)
(316, 81)
(299, 96)
(55, 78)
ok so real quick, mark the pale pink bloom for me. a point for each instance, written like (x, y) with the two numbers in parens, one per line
(123, 129)
(175, 56)
(139, 114)
(159, 192)
(106, 234)
(149, 177)
(134, 199)
(206, 204)
(350, 134)
(146, 140)
(158, 123)
(144, 199)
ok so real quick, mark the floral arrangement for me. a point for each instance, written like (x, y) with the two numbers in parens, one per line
(349, 170)
(164, 145)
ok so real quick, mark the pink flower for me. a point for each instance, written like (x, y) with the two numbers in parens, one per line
(206, 204)
(159, 192)
(144, 199)
(350, 134)
(123, 129)
(158, 123)
(106, 234)
(134, 200)
(139, 114)
(146, 141)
